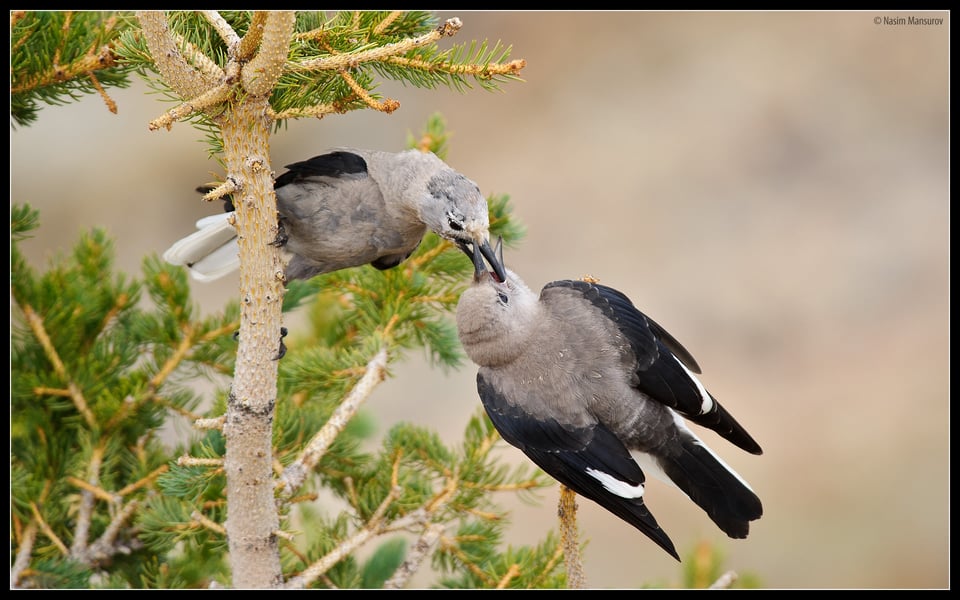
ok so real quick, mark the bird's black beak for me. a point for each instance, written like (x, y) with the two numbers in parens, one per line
(477, 252)
(495, 263)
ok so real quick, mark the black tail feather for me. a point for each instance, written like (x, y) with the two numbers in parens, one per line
(727, 500)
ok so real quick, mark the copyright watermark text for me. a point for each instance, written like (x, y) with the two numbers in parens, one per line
(908, 20)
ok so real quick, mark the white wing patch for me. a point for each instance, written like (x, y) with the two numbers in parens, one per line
(648, 464)
(706, 404)
(682, 425)
(615, 486)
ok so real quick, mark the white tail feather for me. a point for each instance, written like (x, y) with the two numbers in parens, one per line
(211, 252)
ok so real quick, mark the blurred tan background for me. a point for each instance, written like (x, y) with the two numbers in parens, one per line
(772, 188)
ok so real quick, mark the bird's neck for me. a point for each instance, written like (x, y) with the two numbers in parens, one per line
(509, 340)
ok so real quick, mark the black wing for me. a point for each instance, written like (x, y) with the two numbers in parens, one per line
(566, 453)
(332, 164)
(664, 367)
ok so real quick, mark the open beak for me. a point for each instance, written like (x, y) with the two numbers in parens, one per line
(479, 252)
(485, 251)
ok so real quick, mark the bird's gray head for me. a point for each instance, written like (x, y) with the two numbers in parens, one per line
(453, 207)
(495, 319)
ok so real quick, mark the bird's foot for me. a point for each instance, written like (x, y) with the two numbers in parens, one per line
(282, 350)
(281, 239)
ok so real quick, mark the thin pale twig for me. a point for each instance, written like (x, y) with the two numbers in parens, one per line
(24, 552)
(418, 552)
(295, 473)
(724, 581)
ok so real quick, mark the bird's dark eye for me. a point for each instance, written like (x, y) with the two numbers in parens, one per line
(455, 225)
(503, 298)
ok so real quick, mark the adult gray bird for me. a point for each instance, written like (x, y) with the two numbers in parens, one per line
(594, 392)
(351, 207)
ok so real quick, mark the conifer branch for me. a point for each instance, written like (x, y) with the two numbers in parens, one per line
(212, 97)
(45, 391)
(186, 344)
(121, 302)
(192, 461)
(40, 332)
(47, 531)
(223, 29)
(388, 105)
(292, 549)
(303, 498)
(339, 62)
(351, 491)
(391, 323)
(567, 511)
(386, 22)
(483, 71)
(129, 407)
(449, 298)
(182, 78)
(228, 187)
(262, 72)
(103, 58)
(106, 545)
(429, 255)
(295, 473)
(451, 547)
(286, 535)
(482, 514)
(68, 18)
(200, 61)
(504, 487)
(111, 104)
(97, 491)
(512, 572)
(211, 423)
(207, 523)
(318, 111)
(317, 35)
(444, 495)
(374, 527)
(143, 481)
(251, 40)
(213, 334)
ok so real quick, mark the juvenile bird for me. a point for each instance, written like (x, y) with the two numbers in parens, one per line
(594, 392)
(351, 207)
